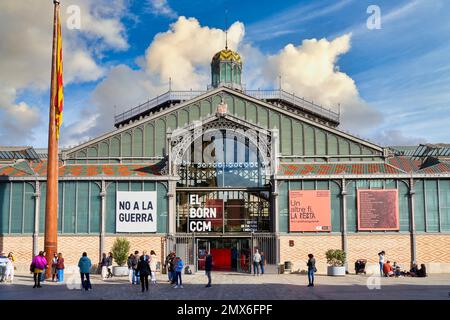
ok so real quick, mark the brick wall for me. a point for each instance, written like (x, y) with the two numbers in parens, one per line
(367, 246)
(433, 248)
(303, 245)
(73, 246)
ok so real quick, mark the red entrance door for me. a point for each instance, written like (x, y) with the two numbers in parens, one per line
(221, 259)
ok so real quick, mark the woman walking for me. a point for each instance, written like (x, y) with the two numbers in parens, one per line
(60, 268)
(153, 265)
(37, 267)
(311, 269)
(144, 272)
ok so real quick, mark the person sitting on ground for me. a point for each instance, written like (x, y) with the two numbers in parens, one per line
(413, 271)
(422, 272)
(388, 270)
(396, 269)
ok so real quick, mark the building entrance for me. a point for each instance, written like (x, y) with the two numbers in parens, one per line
(229, 254)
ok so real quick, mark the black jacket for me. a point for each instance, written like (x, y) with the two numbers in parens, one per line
(143, 267)
(208, 262)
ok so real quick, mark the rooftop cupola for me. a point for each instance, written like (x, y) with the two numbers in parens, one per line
(226, 69)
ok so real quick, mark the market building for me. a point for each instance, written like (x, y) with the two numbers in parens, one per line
(231, 170)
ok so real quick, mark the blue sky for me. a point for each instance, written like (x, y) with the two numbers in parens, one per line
(401, 71)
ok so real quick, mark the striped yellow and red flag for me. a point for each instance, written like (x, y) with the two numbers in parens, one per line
(58, 95)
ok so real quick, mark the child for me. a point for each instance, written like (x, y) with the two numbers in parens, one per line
(178, 269)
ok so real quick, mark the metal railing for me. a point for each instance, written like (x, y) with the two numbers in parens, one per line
(168, 96)
(258, 94)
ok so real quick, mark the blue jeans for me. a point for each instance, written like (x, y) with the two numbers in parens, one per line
(173, 276)
(311, 276)
(178, 276)
(256, 267)
(60, 274)
(135, 279)
(43, 275)
(381, 269)
(262, 268)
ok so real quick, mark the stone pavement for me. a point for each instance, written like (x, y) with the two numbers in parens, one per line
(232, 286)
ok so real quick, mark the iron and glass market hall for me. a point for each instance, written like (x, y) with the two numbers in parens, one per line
(231, 170)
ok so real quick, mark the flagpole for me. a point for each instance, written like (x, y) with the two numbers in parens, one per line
(51, 204)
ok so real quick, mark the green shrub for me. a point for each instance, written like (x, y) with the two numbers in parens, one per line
(120, 251)
(335, 258)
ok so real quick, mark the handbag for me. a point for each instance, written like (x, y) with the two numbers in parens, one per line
(32, 267)
(315, 269)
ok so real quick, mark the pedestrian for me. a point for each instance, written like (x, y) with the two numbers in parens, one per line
(54, 263)
(38, 265)
(172, 267)
(60, 268)
(45, 269)
(178, 270)
(104, 264)
(153, 261)
(3, 264)
(144, 271)
(256, 262)
(10, 268)
(130, 268)
(381, 262)
(311, 269)
(109, 262)
(168, 265)
(135, 269)
(263, 262)
(208, 267)
(85, 266)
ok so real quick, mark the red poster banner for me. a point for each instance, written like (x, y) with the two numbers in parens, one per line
(378, 209)
(309, 210)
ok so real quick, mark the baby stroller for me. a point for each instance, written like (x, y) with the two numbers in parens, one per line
(360, 266)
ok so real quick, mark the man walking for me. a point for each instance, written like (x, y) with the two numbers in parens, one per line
(85, 266)
(256, 262)
(135, 261)
(208, 268)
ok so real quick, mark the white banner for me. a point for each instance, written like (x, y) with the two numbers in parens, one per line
(136, 211)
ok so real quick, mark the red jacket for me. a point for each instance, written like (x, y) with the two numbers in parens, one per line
(60, 263)
(387, 268)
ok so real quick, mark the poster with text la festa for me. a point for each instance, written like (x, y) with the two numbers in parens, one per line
(309, 210)
(136, 211)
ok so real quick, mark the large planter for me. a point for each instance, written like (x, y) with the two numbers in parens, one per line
(120, 271)
(336, 271)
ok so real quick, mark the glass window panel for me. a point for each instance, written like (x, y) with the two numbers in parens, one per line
(4, 206)
(69, 206)
(82, 207)
(17, 207)
(419, 206)
(96, 207)
(432, 205)
(28, 223)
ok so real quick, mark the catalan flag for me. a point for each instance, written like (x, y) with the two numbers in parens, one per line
(58, 96)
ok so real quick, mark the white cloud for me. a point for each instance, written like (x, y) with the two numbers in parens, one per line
(161, 8)
(25, 51)
(186, 49)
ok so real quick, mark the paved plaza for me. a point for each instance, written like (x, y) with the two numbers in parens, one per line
(232, 286)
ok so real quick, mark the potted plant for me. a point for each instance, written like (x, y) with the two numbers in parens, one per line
(120, 251)
(336, 262)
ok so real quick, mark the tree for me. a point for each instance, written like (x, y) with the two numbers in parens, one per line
(120, 251)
